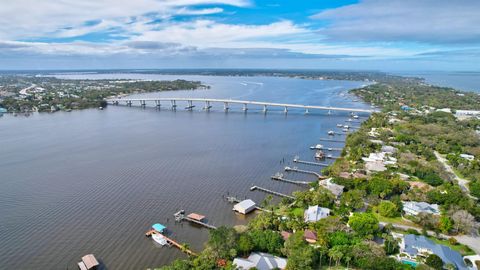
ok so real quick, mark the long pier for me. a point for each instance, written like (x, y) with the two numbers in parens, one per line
(226, 102)
(289, 169)
(279, 177)
(296, 160)
(271, 192)
(178, 245)
(331, 140)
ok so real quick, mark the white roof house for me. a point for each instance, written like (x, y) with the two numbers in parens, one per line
(414, 208)
(245, 206)
(467, 157)
(315, 213)
(261, 261)
(336, 189)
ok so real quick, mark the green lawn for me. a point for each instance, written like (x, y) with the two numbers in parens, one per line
(462, 249)
(396, 220)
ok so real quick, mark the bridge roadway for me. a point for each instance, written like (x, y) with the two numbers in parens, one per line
(207, 102)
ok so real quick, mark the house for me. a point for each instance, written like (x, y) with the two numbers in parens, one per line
(466, 114)
(336, 189)
(414, 208)
(260, 261)
(245, 206)
(467, 157)
(414, 246)
(389, 149)
(310, 236)
(315, 213)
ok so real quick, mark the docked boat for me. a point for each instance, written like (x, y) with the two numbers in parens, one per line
(345, 130)
(316, 147)
(355, 116)
(331, 132)
(160, 239)
(319, 155)
(339, 125)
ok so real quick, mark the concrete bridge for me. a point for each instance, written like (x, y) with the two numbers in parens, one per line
(226, 102)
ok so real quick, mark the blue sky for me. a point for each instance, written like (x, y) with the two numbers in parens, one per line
(388, 35)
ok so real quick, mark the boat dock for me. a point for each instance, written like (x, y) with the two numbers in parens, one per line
(294, 169)
(331, 140)
(296, 160)
(271, 192)
(178, 245)
(279, 177)
(194, 218)
(235, 200)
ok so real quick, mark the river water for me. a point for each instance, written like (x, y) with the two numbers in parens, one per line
(94, 181)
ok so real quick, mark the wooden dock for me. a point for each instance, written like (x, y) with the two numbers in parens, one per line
(331, 140)
(179, 246)
(271, 192)
(279, 177)
(289, 169)
(180, 216)
(296, 160)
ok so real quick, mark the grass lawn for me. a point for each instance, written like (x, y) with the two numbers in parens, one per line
(396, 220)
(298, 212)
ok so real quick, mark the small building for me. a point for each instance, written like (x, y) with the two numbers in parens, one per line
(3, 110)
(89, 262)
(245, 206)
(414, 246)
(260, 261)
(196, 216)
(414, 208)
(310, 236)
(315, 213)
(467, 157)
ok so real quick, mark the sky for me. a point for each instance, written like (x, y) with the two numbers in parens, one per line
(387, 35)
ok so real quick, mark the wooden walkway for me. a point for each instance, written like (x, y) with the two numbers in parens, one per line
(331, 140)
(271, 192)
(178, 245)
(296, 160)
(288, 169)
(279, 177)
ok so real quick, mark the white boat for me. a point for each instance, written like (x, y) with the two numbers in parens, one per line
(339, 125)
(317, 147)
(355, 116)
(345, 130)
(331, 132)
(160, 239)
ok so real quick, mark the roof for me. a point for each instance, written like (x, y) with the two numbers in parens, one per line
(415, 242)
(336, 189)
(245, 204)
(261, 261)
(196, 216)
(285, 235)
(421, 207)
(158, 227)
(90, 261)
(309, 234)
(315, 213)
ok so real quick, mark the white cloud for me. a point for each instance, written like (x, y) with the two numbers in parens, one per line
(429, 21)
(20, 19)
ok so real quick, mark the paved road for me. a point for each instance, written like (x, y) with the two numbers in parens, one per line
(463, 183)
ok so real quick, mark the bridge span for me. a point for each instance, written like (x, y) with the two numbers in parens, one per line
(227, 102)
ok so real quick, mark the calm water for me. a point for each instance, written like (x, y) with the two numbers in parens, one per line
(466, 81)
(94, 181)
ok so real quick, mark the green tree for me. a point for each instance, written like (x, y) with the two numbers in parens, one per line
(434, 261)
(364, 224)
(445, 224)
(388, 209)
(301, 258)
(353, 199)
(222, 241)
(245, 244)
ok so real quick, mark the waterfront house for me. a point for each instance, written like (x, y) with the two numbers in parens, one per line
(414, 208)
(245, 206)
(310, 236)
(336, 189)
(315, 213)
(260, 261)
(418, 246)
